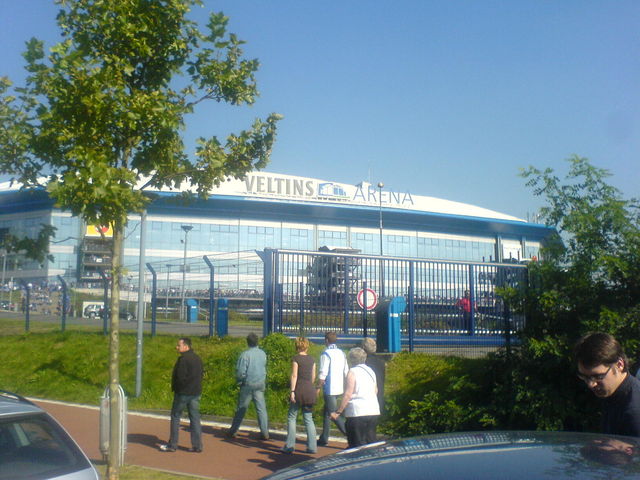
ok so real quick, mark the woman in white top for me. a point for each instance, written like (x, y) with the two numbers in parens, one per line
(360, 401)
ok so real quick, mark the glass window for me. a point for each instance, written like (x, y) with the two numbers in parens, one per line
(37, 448)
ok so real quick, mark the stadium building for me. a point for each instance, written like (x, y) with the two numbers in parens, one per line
(269, 210)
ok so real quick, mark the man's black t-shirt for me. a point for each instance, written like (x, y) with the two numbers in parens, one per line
(621, 411)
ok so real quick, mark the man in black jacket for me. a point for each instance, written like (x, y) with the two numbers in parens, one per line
(186, 383)
(604, 367)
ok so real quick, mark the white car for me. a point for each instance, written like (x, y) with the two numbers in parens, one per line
(33, 446)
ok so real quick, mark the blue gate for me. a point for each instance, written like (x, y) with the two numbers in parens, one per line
(449, 304)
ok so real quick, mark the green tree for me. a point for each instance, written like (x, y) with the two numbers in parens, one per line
(588, 280)
(101, 115)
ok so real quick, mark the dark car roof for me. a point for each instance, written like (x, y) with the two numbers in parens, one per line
(481, 455)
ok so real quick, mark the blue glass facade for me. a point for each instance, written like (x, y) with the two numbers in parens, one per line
(224, 226)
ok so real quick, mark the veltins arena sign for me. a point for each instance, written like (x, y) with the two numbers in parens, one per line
(311, 189)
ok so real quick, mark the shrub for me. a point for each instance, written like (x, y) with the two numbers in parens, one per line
(429, 394)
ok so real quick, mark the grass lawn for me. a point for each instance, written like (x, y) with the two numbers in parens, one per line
(133, 472)
(73, 366)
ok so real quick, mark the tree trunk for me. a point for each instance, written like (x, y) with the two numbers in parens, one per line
(115, 420)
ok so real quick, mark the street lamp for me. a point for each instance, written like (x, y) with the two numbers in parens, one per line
(380, 185)
(187, 229)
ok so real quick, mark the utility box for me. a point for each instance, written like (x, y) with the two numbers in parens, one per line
(388, 316)
(222, 317)
(192, 310)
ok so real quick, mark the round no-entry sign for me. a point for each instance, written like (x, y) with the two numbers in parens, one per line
(372, 298)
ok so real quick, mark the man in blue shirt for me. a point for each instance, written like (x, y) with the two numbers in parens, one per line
(251, 374)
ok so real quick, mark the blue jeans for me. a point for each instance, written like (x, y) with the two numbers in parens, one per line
(330, 405)
(307, 417)
(192, 404)
(247, 393)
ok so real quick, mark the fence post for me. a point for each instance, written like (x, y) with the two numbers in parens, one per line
(64, 303)
(278, 308)
(211, 294)
(154, 298)
(27, 289)
(506, 314)
(347, 295)
(472, 299)
(301, 308)
(364, 309)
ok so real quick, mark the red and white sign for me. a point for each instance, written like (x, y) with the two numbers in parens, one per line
(372, 298)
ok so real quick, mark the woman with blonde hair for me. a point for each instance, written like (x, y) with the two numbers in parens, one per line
(303, 396)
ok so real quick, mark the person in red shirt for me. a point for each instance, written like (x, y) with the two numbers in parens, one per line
(464, 304)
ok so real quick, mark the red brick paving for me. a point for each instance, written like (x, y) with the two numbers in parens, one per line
(245, 457)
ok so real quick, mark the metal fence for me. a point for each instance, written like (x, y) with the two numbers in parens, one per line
(168, 283)
(302, 292)
(452, 307)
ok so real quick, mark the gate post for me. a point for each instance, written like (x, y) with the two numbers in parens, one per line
(211, 293)
(267, 257)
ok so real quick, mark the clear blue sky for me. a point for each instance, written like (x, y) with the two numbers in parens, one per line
(444, 98)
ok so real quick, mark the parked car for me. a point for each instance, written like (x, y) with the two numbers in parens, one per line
(96, 311)
(34, 446)
(6, 305)
(482, 456)
(92, 311)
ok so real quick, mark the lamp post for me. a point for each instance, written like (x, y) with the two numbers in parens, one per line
(187, 229)
(380, 185)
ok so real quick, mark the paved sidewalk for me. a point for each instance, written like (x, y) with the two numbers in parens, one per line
(245, 457)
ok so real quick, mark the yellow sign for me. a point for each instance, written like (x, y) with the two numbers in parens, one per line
(99, 231)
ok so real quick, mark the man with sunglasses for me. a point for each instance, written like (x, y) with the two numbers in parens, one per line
(604, 367)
